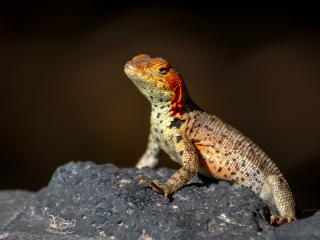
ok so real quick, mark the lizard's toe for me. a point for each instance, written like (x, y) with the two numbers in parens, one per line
(153, 184)
(277, 220)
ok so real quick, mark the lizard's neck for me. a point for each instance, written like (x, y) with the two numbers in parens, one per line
(170, 110)
(177, 104)
(184, 105)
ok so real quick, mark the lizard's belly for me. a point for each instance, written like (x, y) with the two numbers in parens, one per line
(166, 144)
(217, 163)
(171, 152)
(166, 138)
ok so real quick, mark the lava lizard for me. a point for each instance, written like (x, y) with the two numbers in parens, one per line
(201, 142)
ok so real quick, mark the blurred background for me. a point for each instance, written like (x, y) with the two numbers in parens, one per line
(64, 96)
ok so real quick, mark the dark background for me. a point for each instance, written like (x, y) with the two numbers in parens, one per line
(64, 96)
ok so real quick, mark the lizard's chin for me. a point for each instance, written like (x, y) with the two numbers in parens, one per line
(131, 73)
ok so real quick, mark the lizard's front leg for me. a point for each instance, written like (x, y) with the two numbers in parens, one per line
(152, 154)
(188, 157)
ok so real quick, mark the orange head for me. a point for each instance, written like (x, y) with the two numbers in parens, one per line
(157, 80)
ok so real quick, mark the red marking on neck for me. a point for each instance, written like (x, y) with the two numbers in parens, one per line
(175, 83)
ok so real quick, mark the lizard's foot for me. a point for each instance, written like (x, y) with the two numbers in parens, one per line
(276, 220)
(155, 186)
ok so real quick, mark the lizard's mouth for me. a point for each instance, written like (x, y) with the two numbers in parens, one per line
(133, 75)
(129, 70)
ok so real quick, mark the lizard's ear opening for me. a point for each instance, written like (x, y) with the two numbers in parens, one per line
(174, 80)
(142, 56)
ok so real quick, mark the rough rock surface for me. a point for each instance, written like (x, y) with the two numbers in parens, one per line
(87, 201)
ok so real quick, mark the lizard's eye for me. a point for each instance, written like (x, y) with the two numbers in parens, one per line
(161, 70)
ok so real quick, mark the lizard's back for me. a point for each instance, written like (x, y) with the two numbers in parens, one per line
(227, 154)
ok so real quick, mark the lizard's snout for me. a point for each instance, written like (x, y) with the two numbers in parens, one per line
(130, 65)
(137, 62)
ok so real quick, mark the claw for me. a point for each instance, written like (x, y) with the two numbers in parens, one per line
(142, 179)
(272, 219)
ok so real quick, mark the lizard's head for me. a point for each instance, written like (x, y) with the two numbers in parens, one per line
(157, 80)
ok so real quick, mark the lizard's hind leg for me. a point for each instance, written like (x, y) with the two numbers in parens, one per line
(276, 191)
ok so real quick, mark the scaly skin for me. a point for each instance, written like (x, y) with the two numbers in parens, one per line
(201, 142)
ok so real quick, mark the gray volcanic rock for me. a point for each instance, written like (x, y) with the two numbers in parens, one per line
(87, 201)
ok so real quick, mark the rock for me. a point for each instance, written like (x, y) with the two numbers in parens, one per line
(87, 201)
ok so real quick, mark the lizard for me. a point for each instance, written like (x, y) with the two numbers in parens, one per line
(201, 142)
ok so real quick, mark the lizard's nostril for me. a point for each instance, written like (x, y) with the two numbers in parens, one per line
(129, 65)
